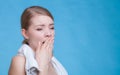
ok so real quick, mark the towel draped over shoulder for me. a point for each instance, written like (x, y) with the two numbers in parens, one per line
(31, 65)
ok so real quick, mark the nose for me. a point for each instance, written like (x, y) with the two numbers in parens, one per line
(48, 34)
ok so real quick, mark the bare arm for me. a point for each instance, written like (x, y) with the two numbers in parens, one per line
(44, 55)
(17, 66)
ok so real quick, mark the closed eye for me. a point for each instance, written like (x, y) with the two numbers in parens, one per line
(52, 28)
(39, 29)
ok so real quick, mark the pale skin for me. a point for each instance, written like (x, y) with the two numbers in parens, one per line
(40, 37)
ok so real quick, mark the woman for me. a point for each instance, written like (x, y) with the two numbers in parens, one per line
(35, 56)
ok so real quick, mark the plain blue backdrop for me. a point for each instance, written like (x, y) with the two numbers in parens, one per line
(87, 40)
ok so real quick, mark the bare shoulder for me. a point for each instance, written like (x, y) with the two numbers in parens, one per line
(17, 66)
(18, 60)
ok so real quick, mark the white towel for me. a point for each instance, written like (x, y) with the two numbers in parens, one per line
(31, 64)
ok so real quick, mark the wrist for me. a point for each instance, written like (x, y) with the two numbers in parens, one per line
(43, 68)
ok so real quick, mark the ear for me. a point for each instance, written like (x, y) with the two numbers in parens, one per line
(25, 34)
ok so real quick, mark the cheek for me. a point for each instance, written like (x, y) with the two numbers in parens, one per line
(53, 33)
(36, 37)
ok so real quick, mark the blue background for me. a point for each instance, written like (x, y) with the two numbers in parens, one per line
(87, 40)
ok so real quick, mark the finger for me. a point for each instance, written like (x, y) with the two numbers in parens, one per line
(52, 42)
(50, 46)
(50, 50)
(46, 43)
(39, 46)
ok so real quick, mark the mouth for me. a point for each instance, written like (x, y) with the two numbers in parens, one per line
(43, 42)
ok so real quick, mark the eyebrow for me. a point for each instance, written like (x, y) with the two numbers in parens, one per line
(42, 25)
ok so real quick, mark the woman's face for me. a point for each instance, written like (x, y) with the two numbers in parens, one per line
(41, 28)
